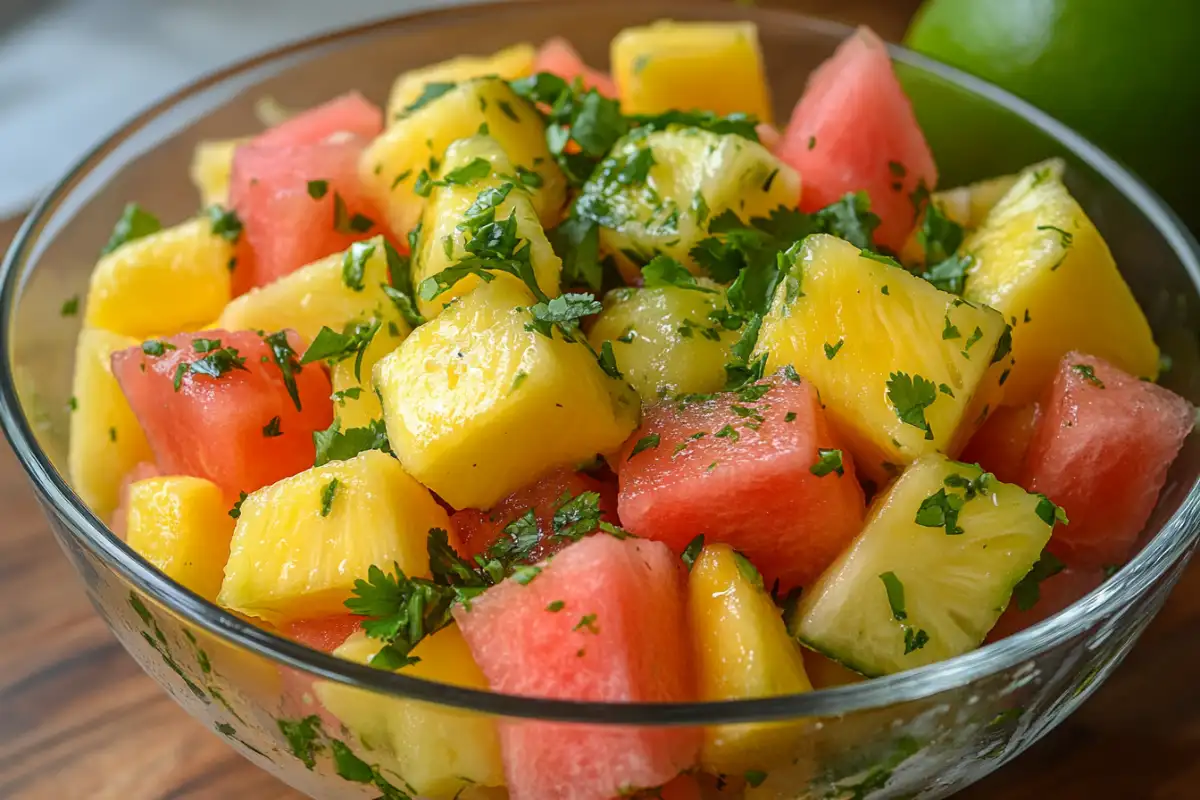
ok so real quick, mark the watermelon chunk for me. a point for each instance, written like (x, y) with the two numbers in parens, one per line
(1054, 594)
(854, 130)
(1101, 450)
(350, 113)
(478, 529)
(299, 203)
(618, 636)
(558, 57)
(1000, 445)
(214, 427)
(742, 473)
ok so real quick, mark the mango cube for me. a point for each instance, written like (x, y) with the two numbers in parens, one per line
(320, 295)
(444, 235)
(106, 440)
(1040, 261)
(416, 142)
(663, 339)
(182, 526)
(508, 64)
(300, 544)
(176, 279)
(436, 750)
(714, 66)
(477, 405)
(903, 368)
(742, 650)
(691, 176)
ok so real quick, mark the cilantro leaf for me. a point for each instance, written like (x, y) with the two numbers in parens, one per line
(949, 275)
(354, 264)
(665, 271)
(135, 223)
(577, 241)
(216, 362)
(939, 236)
(317, 189)
(895, 595)
(333, 347)
(1050, 513)
(332, 444)
(563, 312)
(1027, 592)
(827, 461)
(225, 223)
(645, 443)
(851, 219)
(692, 551)
(400, 292)
(910, 396)
(401, 612)
(1088, 373)
(429, 93)
(737, 124)
(941, 510)
(303, 738)
(285, 359)
(328, 491)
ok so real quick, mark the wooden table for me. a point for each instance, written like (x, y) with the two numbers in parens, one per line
(78, 719)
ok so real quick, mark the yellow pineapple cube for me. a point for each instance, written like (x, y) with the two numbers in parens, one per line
(742, 650)
(417, 142)
(1040, 261)
(663, 339)
(714, 66)
(212, 163)
(182, 526)
(445, 216)
(478, 406)
(106, 441)
(903, 368)
(942, 550)
(693, 177)
(354, 400)
(510, 63)
(968, 206)
(299, 544)
(176, 279)
(319, 295)
(436, 750)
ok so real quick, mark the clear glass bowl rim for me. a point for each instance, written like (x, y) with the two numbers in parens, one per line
(1170, 545)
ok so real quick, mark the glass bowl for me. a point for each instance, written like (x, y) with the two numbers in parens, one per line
(923, 733)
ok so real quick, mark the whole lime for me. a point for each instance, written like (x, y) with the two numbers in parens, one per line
(1124, 73)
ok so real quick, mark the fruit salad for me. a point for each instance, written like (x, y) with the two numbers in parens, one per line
(539, 370)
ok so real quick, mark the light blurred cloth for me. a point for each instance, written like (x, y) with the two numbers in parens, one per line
(71, 71)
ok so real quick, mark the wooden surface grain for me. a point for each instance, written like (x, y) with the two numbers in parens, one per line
(78, 719)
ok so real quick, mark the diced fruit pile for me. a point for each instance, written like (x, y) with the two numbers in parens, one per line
(600, 389)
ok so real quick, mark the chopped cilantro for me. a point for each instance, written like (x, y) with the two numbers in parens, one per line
(789, 416)
(881, 258)
(429, 93)
(587, 623)
(334, 444)
(303, 738)
(608, 361)
(946, 390)
(156, 347)
(285, 360)
(271, 429)
(755, 777)
(692, 551)
(663, 271)
(910, 396)
(949, 331)
(737, 124)
(645, 443)
(577, 241)
(400, 292)
(507, 108)
(940, 237)
(225, 223)
(747, 569)
(728, 432)
(895, 595)
(328, 491)
(1050, 513)
(975, 336)
(564, 313)
(236, 511)
(941, 510)
(135, 223)
(216, 362)
(949, 275)
(70, 307)
(556, 606)
(812, 142)
(1028, 591)
(914, 640)
(401, 611)
(1065, 238)
(333, 347)
(827, 461)
(343, 222)
(317, 189)
(832, 350)
(1088, 373)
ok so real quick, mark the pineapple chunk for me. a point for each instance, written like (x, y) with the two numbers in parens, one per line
(715, 66)
(903, 368)
(182, 526)
(318, 295)
(106, 440)
(1040, 261)
(436, 750)
(176, 279)
(509, 64)
(742, 650)
(477, 406)
(417, 142)
(930, 573)
(694, 176)
(212, 163)
(444, 219)
(354, 401)
(300, 545)
(663, 340)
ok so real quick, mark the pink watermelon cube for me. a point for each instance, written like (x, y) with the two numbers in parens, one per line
(350, 113)
(300, 203)
(768, 477)
(558, 57)
(1000, 445)
(241, 429)
(1101, 450)
(854, 130)
(603, 621)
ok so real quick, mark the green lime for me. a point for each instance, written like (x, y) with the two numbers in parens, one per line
(1124, 73)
